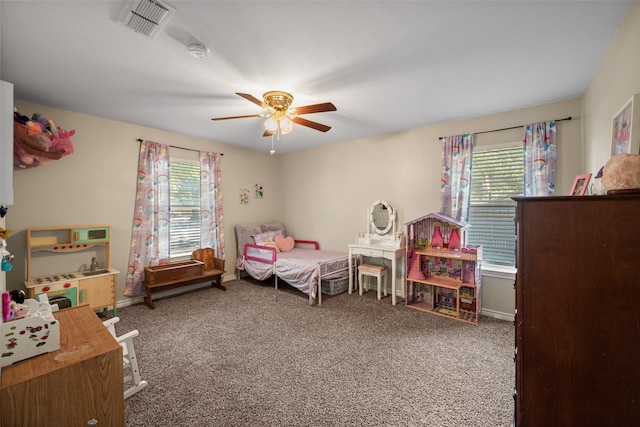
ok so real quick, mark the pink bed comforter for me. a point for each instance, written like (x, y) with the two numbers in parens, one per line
(302, 268)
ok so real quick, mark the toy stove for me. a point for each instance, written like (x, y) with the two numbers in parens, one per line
(61, 289)
(53, 278)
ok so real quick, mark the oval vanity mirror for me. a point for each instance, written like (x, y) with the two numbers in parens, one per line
(381, 217)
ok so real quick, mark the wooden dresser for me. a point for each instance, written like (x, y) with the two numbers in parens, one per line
(78, 385)
(577, 311)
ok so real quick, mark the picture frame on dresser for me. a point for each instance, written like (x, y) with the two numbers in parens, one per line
(625, 133)
(580, 185)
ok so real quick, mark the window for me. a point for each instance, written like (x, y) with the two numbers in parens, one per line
(497, 175)
(184, 193)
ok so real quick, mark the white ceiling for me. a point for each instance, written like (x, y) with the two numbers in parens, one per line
(388, 66)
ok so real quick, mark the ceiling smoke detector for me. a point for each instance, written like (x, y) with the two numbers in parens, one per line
(146, 17)
(198, 50)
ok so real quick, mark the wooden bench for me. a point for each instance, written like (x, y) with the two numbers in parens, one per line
(203, 267)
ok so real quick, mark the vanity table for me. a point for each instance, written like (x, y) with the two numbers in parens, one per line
(381, 240)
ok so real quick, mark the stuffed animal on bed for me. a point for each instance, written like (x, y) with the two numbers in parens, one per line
(622, 172)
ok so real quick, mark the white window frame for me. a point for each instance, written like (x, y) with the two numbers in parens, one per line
(181, 159)
(488, 269)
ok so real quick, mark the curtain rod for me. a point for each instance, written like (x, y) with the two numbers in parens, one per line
(512, 127)
(182, 148)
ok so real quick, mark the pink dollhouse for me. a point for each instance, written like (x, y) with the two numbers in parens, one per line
(443, 272)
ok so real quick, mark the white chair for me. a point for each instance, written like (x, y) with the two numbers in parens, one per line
(129, 360)
(377, 271)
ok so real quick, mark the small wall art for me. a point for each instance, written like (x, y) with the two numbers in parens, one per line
(244, 196)
(259, 191)
(625, 133)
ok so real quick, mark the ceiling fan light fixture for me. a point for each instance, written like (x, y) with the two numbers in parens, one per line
(286, 125)
(271, 125)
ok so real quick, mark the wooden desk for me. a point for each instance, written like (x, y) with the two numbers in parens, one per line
(80, 384)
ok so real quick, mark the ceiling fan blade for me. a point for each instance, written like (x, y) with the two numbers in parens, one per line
(315, 108)
(310, 124)
(237, 117)
(267, 133)
(252, 99)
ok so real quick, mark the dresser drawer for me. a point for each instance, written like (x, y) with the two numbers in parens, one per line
(367, 252)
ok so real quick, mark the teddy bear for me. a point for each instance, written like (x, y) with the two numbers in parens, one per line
(622, 172)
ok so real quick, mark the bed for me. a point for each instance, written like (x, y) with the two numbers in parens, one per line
(303, 267)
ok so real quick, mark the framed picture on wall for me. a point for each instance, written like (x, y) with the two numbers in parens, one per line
(625, 131)
(244, 196)
(580, 185)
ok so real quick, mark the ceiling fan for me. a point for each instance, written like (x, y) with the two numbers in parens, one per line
(281, 116)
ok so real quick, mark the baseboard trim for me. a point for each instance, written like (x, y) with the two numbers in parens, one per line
(497, 314)
(159, 295)
(232, 276)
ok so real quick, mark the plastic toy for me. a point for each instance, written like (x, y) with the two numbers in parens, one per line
(7, 312)
(17, 295)
(4, 233)
(454, 240)
(436, 238)
(19, 310)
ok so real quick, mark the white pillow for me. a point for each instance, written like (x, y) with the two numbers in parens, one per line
(267, 237)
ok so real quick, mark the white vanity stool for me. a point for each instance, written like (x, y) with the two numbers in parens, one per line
(377, 271)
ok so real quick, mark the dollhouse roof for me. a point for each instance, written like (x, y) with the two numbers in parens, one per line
(439, 217)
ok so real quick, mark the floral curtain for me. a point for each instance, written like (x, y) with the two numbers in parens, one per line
(455, 178)
(539, 146)
(150, 236)
(211, 217)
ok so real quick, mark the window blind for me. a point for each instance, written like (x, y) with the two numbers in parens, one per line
(184, 234)
(497, 175)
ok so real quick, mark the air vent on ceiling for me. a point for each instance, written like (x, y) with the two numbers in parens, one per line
(147, 17)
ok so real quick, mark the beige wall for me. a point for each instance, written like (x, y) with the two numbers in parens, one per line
(320, 193)
(97, 185)
(335, 185)
(616, 80)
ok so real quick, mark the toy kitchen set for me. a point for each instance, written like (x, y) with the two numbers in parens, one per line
(71, 265)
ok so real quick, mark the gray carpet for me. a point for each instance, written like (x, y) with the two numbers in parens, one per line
(256, 356)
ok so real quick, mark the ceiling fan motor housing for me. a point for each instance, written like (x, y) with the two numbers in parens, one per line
(277, 100)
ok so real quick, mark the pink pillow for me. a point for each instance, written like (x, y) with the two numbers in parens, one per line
(285, 244)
